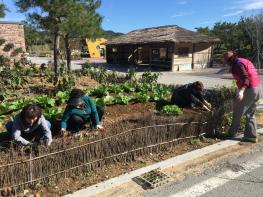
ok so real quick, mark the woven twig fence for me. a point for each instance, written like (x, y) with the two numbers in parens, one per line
(123, 146)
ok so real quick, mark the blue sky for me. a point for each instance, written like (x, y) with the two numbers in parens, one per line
(127, 15)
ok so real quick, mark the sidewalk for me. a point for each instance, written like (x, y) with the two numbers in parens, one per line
(126, 180)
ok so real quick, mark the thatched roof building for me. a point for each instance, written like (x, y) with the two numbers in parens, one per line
(168, 46)
(170, 33)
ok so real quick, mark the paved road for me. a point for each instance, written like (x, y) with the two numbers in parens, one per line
(236, 177)
(211, 77)
(210, 80)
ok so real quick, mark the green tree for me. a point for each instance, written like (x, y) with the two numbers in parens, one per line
(253, 28)
(83, 21)
(62, 18)
(3, 10)
(233, 37)
(34, 36)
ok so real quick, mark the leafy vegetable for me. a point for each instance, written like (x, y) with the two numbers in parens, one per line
(114, 89)
(63, 96)
(155, 96)
(53, 113)
(100, 91)
(171, 110)
(122, 99)
(45, 101)
(128, 87)
(141, 97)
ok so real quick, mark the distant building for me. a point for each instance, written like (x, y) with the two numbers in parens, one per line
(12, 32)
(171, 46)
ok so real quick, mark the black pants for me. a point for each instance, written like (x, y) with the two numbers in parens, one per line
(76, 123)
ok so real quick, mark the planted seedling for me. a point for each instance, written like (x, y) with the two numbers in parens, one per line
(171, 110)
(62, 96)
(128, 87)
(141, 97)
(45, 101)
(155, 96)
(53, 113)
(122, 99)
(100, 91)
(114, 89)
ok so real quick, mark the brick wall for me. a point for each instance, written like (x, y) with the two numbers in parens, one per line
(13, 33)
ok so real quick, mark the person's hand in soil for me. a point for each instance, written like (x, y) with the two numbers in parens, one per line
(64, 132)
(100, 128)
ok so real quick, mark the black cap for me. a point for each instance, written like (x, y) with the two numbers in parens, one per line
(75, 101)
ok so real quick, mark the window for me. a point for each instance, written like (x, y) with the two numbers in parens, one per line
(183, 52)
(155, 51)
(163, 52)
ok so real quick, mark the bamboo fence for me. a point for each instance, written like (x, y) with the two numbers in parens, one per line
(124, 146)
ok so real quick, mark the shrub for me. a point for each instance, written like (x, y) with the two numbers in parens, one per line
(149, 77)
(8, 47)
(17, 51)
(2, 41)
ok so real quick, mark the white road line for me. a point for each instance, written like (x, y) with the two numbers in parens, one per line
(221, 179)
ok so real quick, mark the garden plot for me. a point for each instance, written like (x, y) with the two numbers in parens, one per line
(135, 122)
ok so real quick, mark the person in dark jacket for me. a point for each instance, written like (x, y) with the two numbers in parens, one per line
(190, 95)
(29, 126)
(80, 112)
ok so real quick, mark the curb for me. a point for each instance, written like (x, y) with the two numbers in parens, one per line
(125, 178)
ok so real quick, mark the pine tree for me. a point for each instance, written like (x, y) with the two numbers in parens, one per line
(63, 18)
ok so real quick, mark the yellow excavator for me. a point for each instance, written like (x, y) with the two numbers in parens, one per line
(96, 48)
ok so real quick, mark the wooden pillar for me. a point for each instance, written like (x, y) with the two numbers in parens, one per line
(193, 60)
(150, 55)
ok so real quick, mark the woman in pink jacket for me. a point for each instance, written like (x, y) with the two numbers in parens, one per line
(248, 83)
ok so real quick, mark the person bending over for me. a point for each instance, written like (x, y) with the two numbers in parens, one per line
(190, 95)
(30, 126)
(80, 113)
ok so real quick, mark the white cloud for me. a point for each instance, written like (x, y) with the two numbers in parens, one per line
(253, 5)
(180, 14)
(233, 13)
(181, 2)
(242, 6)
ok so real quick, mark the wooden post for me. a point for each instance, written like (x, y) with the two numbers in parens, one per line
(193, 52)
(150, 56)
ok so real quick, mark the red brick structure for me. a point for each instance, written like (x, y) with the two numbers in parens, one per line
(12, 32)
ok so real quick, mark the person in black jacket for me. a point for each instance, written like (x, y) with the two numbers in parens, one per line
(190, 95)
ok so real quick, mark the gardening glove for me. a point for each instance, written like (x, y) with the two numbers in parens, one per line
(240, 94)
(208, 104)
(64, 132)
(206, 108)
(100, 128)
(47, 142)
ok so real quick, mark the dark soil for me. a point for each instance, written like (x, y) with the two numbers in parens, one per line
(76, 182)
(117, 119)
